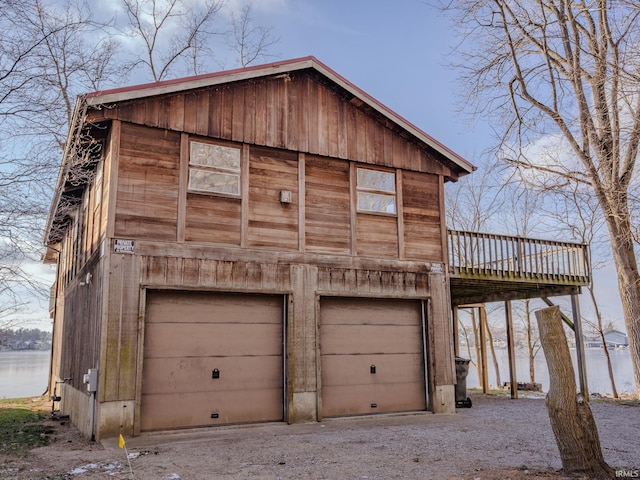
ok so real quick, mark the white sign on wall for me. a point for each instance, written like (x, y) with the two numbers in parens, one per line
(124, 246)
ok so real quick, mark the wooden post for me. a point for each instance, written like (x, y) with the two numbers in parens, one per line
(511, 350)
(456, 333)
(582, 365)
(571, 419)
(483, 349)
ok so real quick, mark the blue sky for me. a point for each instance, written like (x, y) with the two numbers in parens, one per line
(396, 52)
(392, 50)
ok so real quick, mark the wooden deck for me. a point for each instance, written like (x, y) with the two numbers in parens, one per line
(487, 267)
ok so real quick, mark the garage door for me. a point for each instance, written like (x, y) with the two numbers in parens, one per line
(211, 359)
(372, 356)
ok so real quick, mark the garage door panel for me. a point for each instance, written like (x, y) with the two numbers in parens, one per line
(364, 311)
(190, 334)
(194, 307)
(182, 410)
(389, 369)
(357, 400)
(356, 333)
(179, 340)
(168, 375)
(354, 339)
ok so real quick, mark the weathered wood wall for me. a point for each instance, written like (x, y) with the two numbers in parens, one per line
(80, 345)
(321, 217)
(297, 112)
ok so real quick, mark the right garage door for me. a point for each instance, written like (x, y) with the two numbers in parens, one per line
(372, 356)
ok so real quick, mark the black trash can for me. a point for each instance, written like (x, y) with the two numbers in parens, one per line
(462, 370)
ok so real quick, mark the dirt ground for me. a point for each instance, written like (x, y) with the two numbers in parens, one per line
(498, 438)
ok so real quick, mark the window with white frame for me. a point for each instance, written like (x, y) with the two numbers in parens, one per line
(214, 169)
(376, 191)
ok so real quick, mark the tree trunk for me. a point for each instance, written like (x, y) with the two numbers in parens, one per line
(629, 287)
(493, 356)
(614, 390)
(571, 419)
(476, 341)
(532, 362)
(592, 293)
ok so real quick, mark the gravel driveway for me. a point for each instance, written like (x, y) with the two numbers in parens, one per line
(496, 438)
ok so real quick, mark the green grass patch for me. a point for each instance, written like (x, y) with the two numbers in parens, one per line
(22, 429)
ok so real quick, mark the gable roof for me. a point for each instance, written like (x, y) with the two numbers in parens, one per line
(95, 100)
(189, 83)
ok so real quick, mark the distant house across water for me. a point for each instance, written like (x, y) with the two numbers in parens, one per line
(614, 339)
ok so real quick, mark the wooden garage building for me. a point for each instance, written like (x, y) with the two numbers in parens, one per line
(262, 244)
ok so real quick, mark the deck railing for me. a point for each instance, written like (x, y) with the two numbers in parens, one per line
(488, 255)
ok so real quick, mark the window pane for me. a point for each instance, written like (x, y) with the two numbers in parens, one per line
(376, 202)
(216, 156)
(376, 180)
(208, 181)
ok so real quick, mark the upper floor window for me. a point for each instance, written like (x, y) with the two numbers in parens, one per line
(376, 191)
(214, 169)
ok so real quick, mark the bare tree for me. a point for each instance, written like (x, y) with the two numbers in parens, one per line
(565, 71)
(574, 207)
(251, 42)
(174, 34)
(44, 62)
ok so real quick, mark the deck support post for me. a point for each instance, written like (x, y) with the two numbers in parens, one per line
(483, 348)
(456, 333)
(511, 350)
(577, 328)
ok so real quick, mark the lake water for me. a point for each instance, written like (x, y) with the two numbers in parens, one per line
(597, 371)
(24, 373)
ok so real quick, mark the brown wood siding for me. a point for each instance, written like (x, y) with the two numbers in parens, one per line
(147, 191)
(372, 356)
(80, 345)
(188, 336)
(272, 224)
(214, 219)
(327, 221)
(295, 111)
(120, 338)
(377, 235)
(422, 217)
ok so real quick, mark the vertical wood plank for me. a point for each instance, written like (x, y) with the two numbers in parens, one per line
(176, 113)
(511, 349)
(261, 114)
(111, 177)
(190, 112)
(301, 114)
(237, 129)
(301, 202)
(226, 106)
(440, 326)
(202, 115)
(185, 150)
(400, 214)
(353, 205)
(215, 112)
(443, 221)
(244, 185)
(250, 113)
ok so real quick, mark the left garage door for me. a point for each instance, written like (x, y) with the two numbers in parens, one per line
(211, 359)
